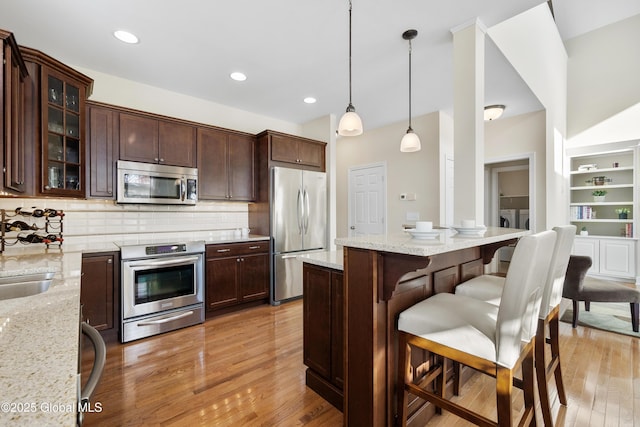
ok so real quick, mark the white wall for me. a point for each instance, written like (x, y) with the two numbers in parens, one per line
(604, 85)
(406, 172)
(516, 137)
(532, 44)
(126, 93)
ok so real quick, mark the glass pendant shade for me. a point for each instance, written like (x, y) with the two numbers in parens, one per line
(350, 123)
(410, 142)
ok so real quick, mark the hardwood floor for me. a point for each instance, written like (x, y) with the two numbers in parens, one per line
(245, 369)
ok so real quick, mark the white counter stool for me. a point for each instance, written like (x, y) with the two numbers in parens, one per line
(478, 334)
(489, 288)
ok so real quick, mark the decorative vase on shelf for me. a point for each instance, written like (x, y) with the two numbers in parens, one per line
(598, 198)
(584, 232)
(622, 216)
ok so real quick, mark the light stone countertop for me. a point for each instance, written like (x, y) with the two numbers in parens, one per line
(447, 240)
(329, 259)
(39, 337)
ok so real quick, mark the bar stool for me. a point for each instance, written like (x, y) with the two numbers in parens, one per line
(489, 288)
(478, 334)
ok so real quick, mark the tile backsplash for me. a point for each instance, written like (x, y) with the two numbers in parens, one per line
(88, 220)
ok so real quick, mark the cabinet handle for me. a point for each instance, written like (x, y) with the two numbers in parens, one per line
(254, 247)
(237, 259)
(161, 160)
(155, 159)
(110, 192)
(223, 250)
(46, 187)
(109, 261)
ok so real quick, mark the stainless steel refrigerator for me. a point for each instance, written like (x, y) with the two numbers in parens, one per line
(298, 226)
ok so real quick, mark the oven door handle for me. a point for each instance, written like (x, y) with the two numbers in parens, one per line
(164, 319)
(165, 263)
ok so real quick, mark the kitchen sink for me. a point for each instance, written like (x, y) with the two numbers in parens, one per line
(25, 285)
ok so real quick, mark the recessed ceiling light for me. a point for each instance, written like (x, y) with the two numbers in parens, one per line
(238, 76)
(310, 100)
(125, 36)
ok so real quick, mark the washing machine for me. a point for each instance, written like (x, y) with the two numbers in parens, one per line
(508, 219)
(523, 219)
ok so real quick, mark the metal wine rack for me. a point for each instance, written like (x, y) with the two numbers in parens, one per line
(36, 233)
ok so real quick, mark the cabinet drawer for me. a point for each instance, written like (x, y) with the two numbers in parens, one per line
(233, 249)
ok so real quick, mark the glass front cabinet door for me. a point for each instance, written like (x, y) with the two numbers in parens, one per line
(63, 135)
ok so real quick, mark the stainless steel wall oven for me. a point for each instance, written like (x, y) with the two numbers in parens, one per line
(162, 288)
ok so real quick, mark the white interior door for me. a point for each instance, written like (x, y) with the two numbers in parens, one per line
(367, 199)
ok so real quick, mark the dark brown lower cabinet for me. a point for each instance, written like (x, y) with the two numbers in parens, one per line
(99, 292)
(323, 292)
(236, 274)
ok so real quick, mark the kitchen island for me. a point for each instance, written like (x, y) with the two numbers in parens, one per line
(384, 275)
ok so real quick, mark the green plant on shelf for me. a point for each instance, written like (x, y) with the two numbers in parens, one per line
(599, 193)
(625, 211)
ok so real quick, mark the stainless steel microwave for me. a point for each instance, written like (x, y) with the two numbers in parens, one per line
(157, 184)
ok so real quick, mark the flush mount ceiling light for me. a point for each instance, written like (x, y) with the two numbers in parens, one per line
(350, 123)
(410, 141)
(238, 76)
(309, 100)
(125, 36)
(492, 112)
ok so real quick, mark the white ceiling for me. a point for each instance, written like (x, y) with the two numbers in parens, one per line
(291, 49)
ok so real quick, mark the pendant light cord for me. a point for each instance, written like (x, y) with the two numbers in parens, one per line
(410, 85)
(350, 107)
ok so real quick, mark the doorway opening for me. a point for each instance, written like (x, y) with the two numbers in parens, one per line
(509, 198)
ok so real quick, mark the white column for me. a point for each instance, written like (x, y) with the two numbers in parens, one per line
(468, 108)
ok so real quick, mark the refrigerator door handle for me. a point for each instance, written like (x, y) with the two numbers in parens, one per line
(306, 211)
(300, 208)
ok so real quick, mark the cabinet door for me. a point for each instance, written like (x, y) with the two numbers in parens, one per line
(97, 291)
(138, 138)
(63, 122)
(590, 248)
(176, 144)
(12, 119)
(212, 165)
(255, 277)
(284, 149)
(241, 167)
(337, 329)
(317, 309)
(617, 257)
(102, 152)
(311, 154)
(222, 282)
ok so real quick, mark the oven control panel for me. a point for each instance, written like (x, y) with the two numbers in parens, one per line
(166, 249)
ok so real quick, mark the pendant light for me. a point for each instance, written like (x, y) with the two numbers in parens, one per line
(350, 123)
(410, 141)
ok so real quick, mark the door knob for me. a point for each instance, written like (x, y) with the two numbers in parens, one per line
(353, 227)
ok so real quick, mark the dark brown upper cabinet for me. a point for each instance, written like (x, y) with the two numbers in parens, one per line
(13, 75)
(151, 140)
(226, 165)
(60, 107)
(299, 151)
(103, 151)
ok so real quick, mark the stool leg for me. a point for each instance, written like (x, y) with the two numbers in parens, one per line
(635, 314)
(504, 389)
(404, 375)
(541, 373)
(554, 335)
(587, 305)
(576, 311)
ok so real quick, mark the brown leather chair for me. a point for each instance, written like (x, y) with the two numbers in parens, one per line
(596, 290)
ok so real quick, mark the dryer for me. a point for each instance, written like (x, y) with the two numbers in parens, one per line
(508, 219)
(523, 219)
